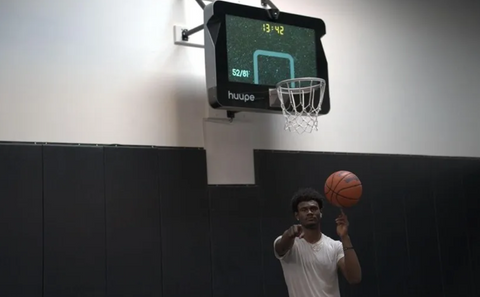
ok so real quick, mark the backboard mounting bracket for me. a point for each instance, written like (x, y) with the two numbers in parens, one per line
(181, 34)
(272, 11)
(231, 114)
(178, 38)
(188, 32)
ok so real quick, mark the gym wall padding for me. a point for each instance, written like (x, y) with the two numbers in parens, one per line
(74, 221)
(88, 220)
(424, 277)
(236, 226)
(453, 213)
(133, 254)
(470, 191)
(390, 245)
(415, 229)
(119, 221)
(185, 223)
(21, 243)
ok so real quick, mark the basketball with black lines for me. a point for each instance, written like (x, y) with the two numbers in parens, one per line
(343, 189)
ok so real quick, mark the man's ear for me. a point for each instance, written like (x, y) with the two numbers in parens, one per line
(296, 216)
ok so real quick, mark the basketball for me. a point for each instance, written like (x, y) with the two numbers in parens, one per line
(343, 189)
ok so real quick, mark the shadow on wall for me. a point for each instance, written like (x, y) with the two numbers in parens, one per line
(176, 83)
(184, 77)
(190, 96)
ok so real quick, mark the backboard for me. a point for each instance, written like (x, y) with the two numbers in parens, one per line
(247, 52)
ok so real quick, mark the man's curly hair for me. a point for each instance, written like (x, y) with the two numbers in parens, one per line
(306, 194)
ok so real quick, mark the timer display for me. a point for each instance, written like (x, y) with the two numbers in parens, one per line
(273, 28)
(265, 52)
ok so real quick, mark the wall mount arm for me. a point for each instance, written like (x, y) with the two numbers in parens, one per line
(186, 32)
(200, 2)
(272, 10)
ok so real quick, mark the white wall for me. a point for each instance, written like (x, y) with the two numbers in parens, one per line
(404, 79)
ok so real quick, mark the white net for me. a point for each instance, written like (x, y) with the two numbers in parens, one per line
(301, 101)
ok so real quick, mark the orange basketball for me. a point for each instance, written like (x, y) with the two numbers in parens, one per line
(343, 189)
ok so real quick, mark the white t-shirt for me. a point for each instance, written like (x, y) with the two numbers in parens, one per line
(310, 270)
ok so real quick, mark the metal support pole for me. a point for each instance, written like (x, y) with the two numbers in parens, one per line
(200, 2)
(273, 11)
(186, 33)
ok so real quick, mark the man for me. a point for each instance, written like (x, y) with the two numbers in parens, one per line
(309, 258)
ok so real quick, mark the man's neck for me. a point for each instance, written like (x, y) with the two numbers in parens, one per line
(312, 235)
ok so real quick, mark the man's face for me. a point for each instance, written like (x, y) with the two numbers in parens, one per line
(308, 214)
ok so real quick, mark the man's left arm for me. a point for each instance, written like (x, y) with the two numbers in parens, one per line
(349, 264)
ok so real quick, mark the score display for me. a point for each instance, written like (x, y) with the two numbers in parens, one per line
(265, 53)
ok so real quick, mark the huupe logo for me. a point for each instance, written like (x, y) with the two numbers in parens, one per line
(241, 97)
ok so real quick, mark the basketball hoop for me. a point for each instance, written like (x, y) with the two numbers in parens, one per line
(301, 101)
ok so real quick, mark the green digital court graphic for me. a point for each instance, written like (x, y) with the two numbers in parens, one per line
(258, 53)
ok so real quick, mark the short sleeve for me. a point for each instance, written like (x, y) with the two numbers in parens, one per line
(275, 251)
(339, 253)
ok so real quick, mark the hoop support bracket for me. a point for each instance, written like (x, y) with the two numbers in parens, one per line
(231, 114)
(188, 32)
(272, 11)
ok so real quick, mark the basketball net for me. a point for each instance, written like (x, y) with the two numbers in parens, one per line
(301, 102)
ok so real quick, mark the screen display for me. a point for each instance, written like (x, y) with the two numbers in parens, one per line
(265, 53)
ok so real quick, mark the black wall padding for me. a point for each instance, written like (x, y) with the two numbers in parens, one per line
(74, 221)
(21, 221)
(424, 277)
(133, 222)
(470, 178)
(451, 209)
(186, 254)
(78, 220)
(236, 226)
(387, 196)
(415, 229)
